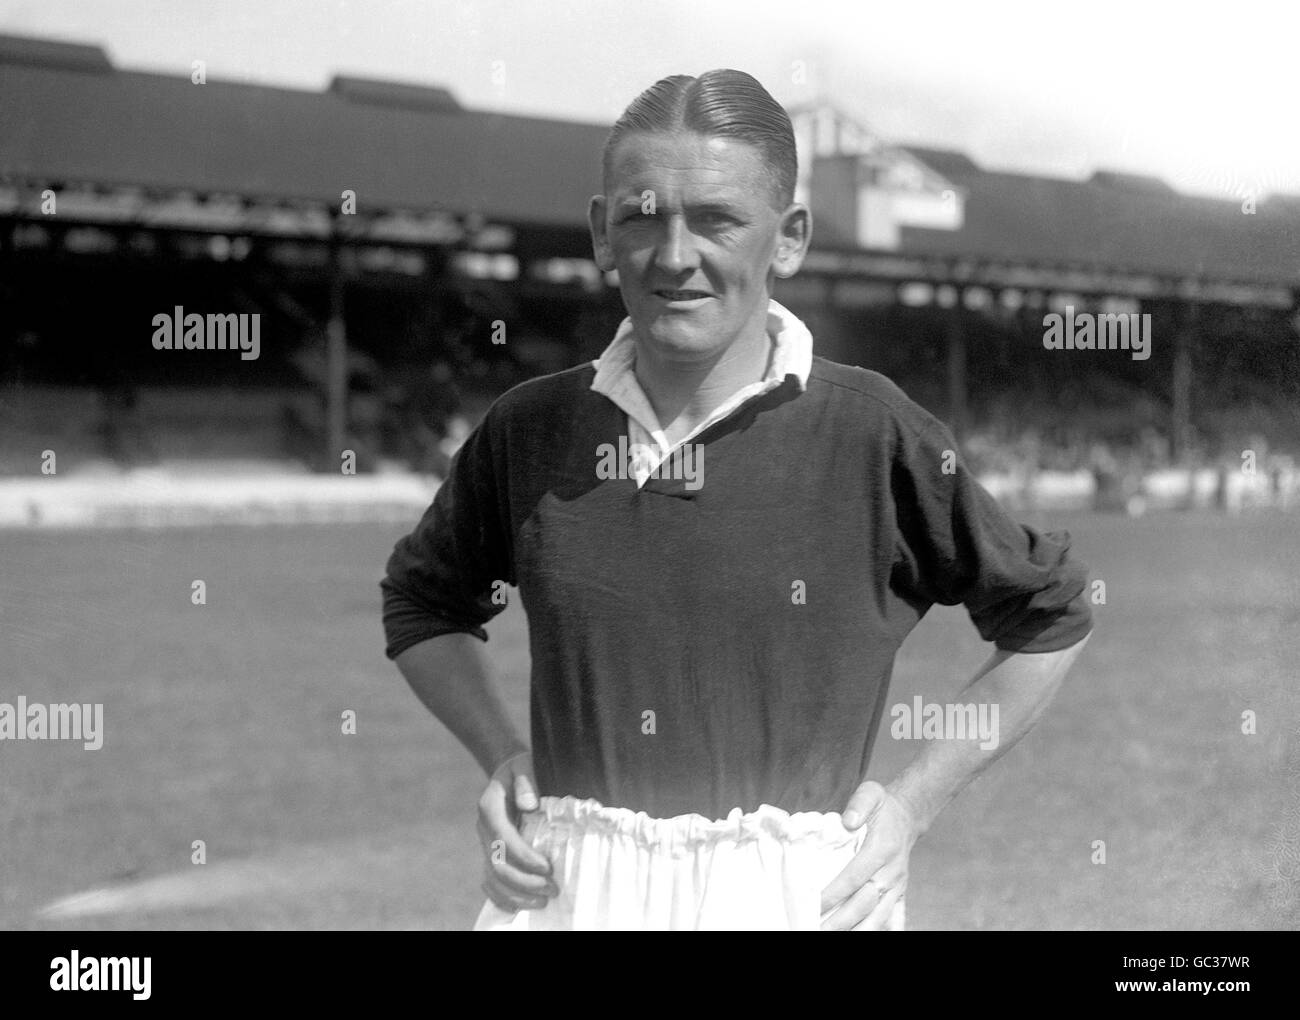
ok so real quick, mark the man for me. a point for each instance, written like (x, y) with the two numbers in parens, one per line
(713, 628)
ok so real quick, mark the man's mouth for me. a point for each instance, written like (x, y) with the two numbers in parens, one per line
(682, 295)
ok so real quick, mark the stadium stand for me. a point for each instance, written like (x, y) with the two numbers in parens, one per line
(381, 230)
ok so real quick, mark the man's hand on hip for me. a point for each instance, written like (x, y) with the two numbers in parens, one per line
(517, 877)
(866, 892)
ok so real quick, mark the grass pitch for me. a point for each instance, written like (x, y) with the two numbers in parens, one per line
(223, 723)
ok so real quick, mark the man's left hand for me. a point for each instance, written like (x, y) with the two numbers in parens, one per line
(866, 892)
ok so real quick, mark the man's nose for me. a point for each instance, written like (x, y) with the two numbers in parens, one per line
(676, 250)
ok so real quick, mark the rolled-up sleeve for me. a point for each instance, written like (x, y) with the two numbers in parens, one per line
(957, 545)
(443, 576)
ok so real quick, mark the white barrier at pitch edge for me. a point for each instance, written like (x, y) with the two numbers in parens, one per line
(151, 499)
(148, 499)
(1166, 489)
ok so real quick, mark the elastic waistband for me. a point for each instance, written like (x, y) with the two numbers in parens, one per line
(570, 816)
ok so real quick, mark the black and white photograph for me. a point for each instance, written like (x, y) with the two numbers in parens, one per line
(664, 466)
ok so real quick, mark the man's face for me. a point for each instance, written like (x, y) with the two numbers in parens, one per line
(689, 222)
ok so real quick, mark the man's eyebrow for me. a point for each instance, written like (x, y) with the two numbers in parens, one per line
(635, 200)
(714, 205)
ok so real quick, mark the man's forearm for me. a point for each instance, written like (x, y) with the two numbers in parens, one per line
(453, 676)
(1021, 685)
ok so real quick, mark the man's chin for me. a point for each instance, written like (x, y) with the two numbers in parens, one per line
(681, 334)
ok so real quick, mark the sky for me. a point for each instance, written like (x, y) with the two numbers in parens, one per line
(1203, 95)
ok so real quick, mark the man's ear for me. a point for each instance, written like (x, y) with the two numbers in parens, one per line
(600, 248)
(793, 238)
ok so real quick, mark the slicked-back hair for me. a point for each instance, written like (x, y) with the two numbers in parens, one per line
(726, 103)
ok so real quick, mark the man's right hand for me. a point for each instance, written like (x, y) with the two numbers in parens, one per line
(517, 876)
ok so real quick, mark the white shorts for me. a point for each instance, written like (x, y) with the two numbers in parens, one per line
(623, 870)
